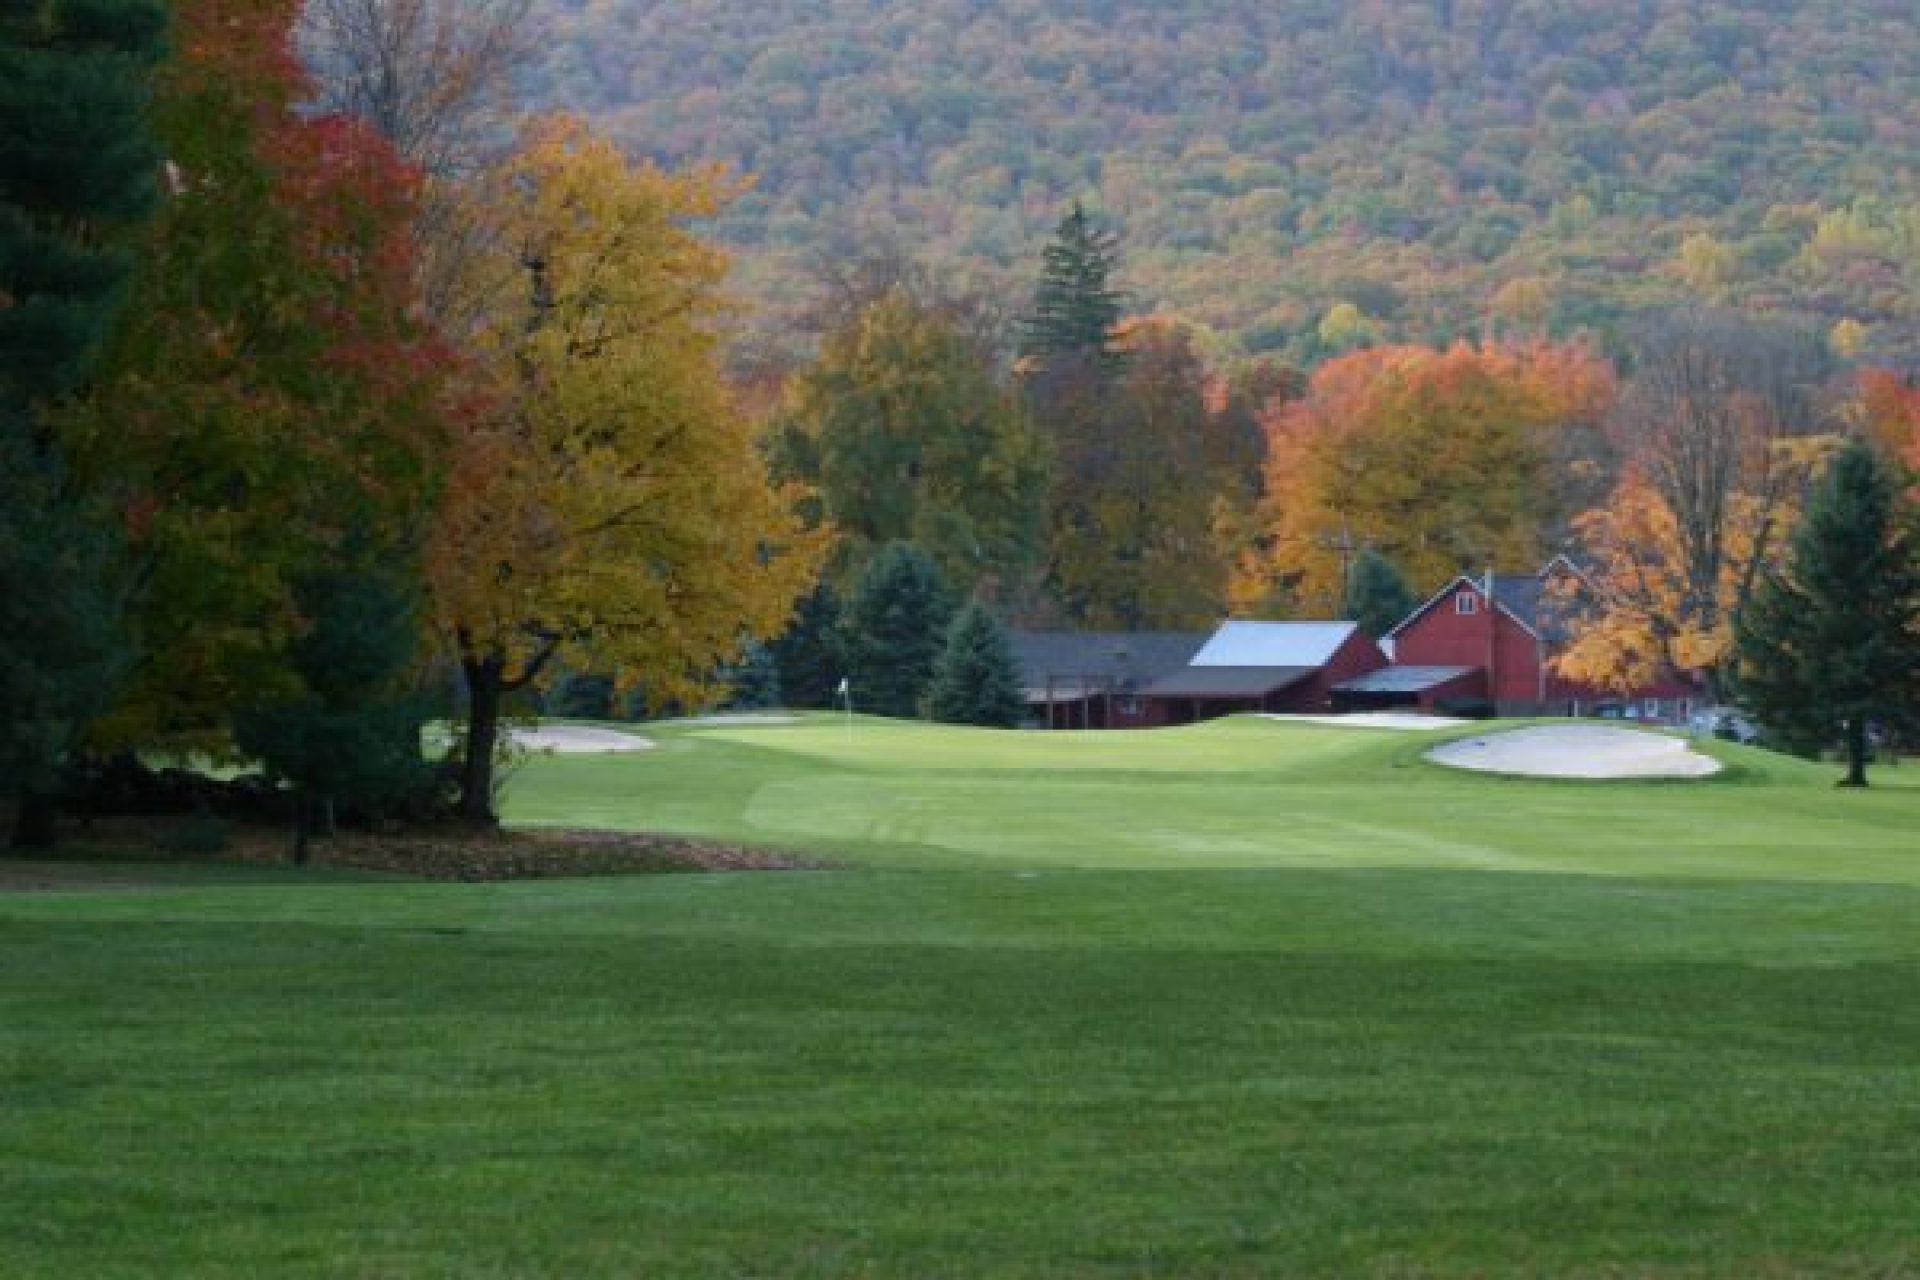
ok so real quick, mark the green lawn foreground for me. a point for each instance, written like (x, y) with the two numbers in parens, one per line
(1393, 1021)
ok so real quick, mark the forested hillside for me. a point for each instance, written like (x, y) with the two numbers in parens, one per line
(1433, 164)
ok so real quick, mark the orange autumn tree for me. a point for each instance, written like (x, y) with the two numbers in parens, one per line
(1719, 432)
(1640, 616)
(1888, 408)
(608, 506)
(1439, 460)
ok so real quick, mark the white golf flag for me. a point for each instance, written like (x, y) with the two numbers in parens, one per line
(842, 690)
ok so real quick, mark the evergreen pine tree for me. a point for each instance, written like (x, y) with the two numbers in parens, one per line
(977, 679)
(1378, 598)
(811, 654)
(76, 164)
(77, 169)
(581, 695)
(354, 737)
(1076, 310)
(895, 628)
(1833, 643)
(754, 681)
(63, 649)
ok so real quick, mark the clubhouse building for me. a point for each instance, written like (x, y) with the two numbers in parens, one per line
(1479, 645)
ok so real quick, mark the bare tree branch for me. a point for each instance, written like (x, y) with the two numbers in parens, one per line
(433, 76)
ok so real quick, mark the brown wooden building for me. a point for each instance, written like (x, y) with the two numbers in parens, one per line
(1097, 679)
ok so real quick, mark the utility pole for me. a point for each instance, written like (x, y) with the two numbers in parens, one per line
(1344, 544)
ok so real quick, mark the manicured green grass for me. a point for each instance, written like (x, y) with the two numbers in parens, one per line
(1346, 1041)
(1245, 792)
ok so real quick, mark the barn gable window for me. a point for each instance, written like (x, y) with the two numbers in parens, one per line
(1466, 602)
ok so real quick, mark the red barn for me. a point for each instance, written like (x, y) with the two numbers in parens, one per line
(1494, 639)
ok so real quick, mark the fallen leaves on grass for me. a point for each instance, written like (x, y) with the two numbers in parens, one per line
(528, 855)
(432, 853)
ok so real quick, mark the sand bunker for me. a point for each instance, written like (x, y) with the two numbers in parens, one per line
(1577, 751)
(1377, 720)
(568, 739)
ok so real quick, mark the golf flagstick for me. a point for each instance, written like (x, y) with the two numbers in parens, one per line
(846, 693)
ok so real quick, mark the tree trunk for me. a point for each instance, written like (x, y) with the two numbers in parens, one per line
(302, 826)
(1856, 753)
(484, 687)
(33, 822)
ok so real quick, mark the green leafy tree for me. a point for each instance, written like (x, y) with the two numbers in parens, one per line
(895, 629)
(1133, 541)
(1832, 643)
(1378, 598)
(77, 173)
(977, 679)
(907, 435)
(1076, 310)
(1346, 327)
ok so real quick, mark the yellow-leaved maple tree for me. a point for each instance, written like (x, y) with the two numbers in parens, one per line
(1437, 459)
(1641, 610)
(608, 506)
(1720, 430)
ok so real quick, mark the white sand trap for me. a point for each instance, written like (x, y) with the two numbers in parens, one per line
(572, 739)
(1376, 720)
(1577, 751)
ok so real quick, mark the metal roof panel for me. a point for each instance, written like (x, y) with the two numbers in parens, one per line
(1273, 644)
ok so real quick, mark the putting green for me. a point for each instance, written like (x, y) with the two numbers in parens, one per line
(1239, 793)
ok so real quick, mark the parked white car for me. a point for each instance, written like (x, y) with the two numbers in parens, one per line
(1730, 723)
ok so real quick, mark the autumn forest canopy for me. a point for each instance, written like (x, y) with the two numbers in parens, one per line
(1439, 165)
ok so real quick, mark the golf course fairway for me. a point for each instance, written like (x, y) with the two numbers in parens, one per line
(1247, 999)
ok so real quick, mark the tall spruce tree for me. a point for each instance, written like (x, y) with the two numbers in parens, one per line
(1833, 643)
(352, 736)
(977, 679)
(63, 649)
(77, 171)
(77, 164)
(895, 629)
(1377, 598)
(1076, 311)
(753, 683)
(811, 654)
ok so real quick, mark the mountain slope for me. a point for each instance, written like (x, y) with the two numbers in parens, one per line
(1433, 162)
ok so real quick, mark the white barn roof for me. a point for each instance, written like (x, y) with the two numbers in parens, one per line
(1273, 644)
